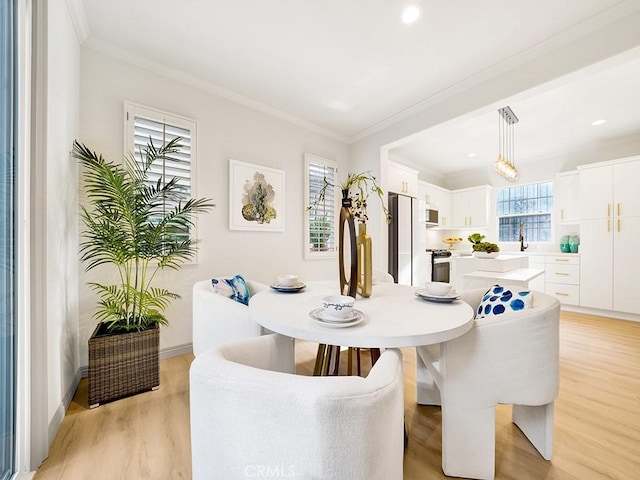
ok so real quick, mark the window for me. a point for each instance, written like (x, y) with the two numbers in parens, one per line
(528, 205)
(320, 234)
(144, 125)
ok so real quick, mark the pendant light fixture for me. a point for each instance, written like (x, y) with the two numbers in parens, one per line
(505, 163)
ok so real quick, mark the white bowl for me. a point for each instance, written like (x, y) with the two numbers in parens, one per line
(438, 288)
(287, 280)
(338, 306)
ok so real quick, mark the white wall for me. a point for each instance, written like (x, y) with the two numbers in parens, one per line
(62, 122)
(226, 130)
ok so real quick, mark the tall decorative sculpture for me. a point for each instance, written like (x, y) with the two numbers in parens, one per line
(348, 285)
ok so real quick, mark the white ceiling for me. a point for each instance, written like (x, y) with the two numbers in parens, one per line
(347, 67)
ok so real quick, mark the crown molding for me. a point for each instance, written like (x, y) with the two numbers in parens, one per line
(79, 19)
(193, 81)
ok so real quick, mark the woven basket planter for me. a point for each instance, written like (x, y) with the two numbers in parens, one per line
(122, 364)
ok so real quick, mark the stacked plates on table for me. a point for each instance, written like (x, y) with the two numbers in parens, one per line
(452, 296)
(321, 317)
(296, 287)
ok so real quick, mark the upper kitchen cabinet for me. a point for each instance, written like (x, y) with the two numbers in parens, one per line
(437, 198)
(609, 232)
(609, 189)
(567, 197)
(470, 207)
(402, 179)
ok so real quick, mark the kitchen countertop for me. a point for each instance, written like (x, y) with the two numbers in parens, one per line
(519, 275)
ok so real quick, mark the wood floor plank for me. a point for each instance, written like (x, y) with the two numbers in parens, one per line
(597, 419)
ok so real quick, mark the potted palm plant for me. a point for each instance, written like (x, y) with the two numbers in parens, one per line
(139, 227)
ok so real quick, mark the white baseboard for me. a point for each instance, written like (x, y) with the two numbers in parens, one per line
(25, 475)
(58, 416)
(601, 313)
(167, 352)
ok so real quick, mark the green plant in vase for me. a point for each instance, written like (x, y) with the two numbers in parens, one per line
(139, 228)
(356, 190)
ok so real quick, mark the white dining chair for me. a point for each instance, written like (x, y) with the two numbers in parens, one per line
(250, 414)
(217, 320)
(509, 359)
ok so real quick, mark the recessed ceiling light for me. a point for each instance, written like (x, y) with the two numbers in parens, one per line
(598, 122)
(471, 155)
(411, 13)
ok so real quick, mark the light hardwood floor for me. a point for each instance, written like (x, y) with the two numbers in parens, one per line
(597, 419)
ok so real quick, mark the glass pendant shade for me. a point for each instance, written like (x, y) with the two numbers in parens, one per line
(505, 163)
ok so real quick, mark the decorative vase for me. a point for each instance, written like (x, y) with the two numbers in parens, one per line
(365, 272)
(574, 241)
(348, 285)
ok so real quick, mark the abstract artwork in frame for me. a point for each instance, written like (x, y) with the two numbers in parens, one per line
(256, 197)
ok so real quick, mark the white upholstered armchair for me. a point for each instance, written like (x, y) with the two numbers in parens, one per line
(508, 359)
(218, 320)
(250, 414)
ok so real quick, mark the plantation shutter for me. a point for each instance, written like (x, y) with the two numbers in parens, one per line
(161, 133)
(322, 217)
(145, 125)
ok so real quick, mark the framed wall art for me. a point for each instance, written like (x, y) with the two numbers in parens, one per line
(256, 197)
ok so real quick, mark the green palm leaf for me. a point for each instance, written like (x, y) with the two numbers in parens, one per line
(127, 224)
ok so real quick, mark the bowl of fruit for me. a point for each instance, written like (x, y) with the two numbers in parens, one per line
(451, 241)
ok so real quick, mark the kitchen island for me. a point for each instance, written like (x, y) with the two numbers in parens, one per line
(468, 272)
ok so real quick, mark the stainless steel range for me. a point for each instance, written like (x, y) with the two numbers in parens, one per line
(440, 265)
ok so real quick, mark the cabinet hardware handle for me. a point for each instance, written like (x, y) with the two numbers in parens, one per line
(618, 225)
(562, 293)
(608, 225)
(561, 214)
(562, 259)
(618, 209)
(470, 221)
(562, 273)
(608, 209)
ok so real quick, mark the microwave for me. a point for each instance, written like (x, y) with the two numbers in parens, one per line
(431, 217)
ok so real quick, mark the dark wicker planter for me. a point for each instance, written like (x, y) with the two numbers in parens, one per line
(122, 364)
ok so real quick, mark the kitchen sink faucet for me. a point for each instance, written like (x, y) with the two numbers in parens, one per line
(523, 247)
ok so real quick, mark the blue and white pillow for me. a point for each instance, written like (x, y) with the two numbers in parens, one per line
(500, 300)
(234, 288)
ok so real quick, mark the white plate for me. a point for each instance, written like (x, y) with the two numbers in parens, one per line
(450, 297)
(286, 288)
(320, 318)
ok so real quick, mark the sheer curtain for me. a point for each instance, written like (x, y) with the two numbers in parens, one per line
(7, 209)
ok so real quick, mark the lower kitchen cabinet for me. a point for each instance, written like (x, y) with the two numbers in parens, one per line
(562, 274)
(610, 264)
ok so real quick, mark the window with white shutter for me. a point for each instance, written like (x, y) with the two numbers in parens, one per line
(144, 125)
(321, 219)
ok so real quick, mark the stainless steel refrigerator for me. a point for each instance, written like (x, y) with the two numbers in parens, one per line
(408, 262)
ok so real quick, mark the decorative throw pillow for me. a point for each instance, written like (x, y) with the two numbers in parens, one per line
(234, 288)
(499, 300)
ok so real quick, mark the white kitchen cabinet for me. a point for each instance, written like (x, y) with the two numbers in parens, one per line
(470, 207)
(437, 198)
(562, 275)
(402, 179)
(609, 232)
(567, 197)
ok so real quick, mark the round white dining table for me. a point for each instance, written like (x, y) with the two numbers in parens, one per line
(393, 317)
